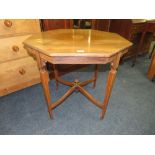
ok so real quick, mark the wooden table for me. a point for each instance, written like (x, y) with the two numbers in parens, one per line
(77, 46)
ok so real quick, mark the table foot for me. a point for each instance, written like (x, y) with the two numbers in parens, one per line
(50, 114)
(102, 114)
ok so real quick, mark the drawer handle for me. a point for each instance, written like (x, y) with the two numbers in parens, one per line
(15, 48)
(8, 23)
(22, 71)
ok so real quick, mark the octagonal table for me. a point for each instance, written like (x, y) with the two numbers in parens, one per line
(77, 46)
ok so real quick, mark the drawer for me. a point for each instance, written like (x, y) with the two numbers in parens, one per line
(18, 74)
(18, 26)
(12, 48)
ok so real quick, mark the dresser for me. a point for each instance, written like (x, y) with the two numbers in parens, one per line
(16, 71)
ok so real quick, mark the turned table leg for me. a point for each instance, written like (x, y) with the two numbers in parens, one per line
(109, 85)
(56, 74)
(45, 80)
(95, 75)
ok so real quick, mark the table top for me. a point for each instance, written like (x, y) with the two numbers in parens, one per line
(77, 42)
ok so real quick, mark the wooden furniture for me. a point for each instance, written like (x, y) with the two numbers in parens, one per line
(16, 71)
(151, 70)
(149, 28)
(97, 24)
(132, 30)
(100, 24)
(151, 53)
(77, 47)
(52, 24)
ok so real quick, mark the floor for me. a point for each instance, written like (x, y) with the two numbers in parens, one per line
(131, 108)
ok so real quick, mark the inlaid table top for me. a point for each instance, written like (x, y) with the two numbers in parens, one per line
(77, 42)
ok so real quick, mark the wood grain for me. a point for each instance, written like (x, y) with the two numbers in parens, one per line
(7, 46)
(77, 42)
(19, 26)
(18, 72)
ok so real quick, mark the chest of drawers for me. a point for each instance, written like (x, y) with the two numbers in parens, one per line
(16, 71)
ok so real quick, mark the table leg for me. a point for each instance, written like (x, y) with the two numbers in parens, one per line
(95, 75)
(45, 79)
(56, 74)
(109, 85)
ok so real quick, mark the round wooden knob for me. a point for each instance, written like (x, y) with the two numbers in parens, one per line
(8, 23)
(15, 48)
(22, 71)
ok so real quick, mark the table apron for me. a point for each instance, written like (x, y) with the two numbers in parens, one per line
(76, 59)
